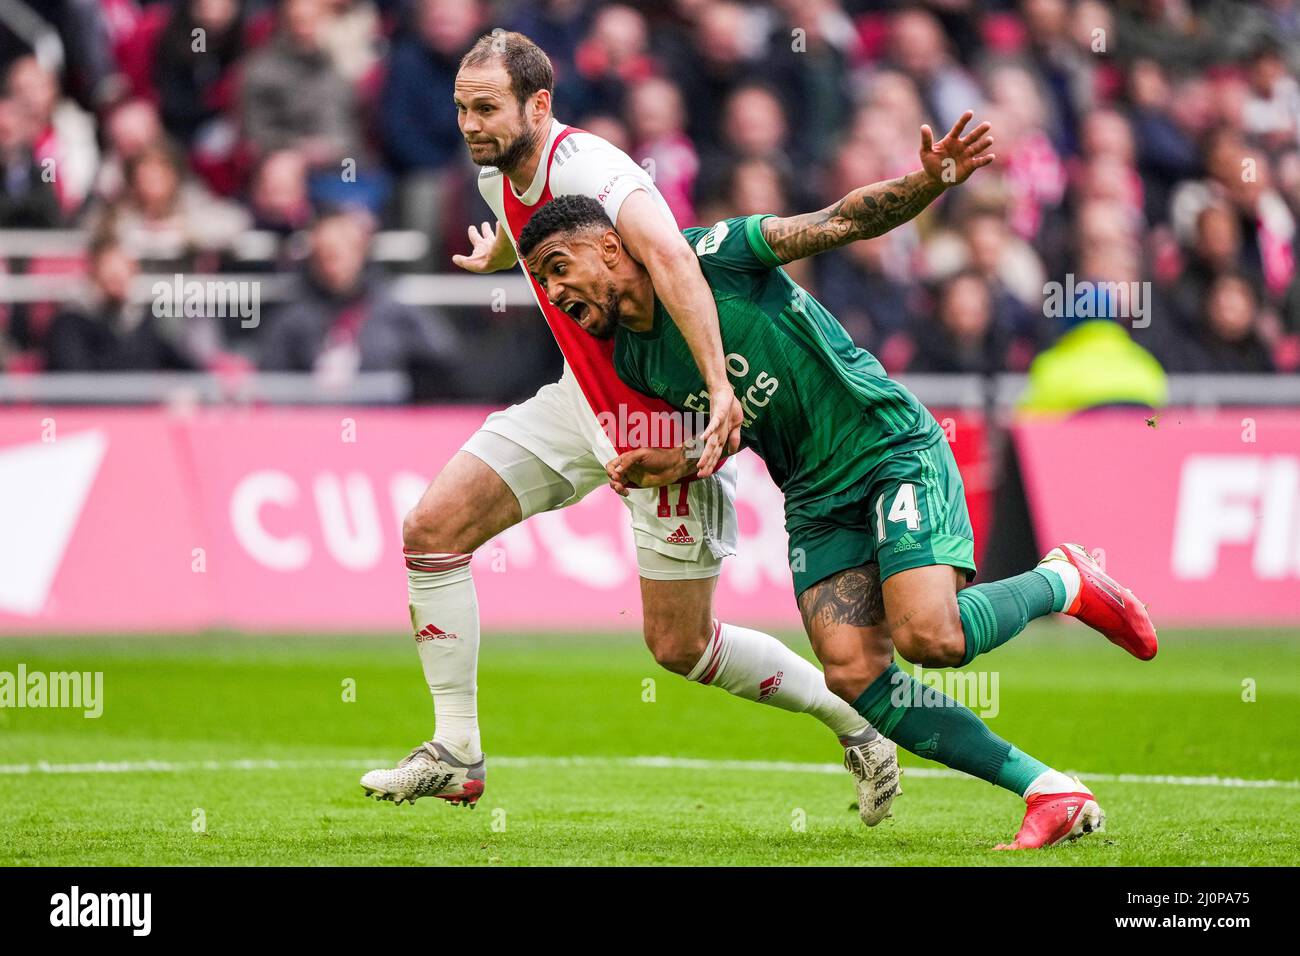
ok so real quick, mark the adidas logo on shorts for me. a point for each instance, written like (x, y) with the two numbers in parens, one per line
(682, 536)
(907, 543)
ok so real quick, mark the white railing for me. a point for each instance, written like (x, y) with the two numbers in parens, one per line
(389, 245)
(393, 388)
(153, 388)
(503, 290)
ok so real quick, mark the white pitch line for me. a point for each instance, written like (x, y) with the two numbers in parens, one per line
(168, 766)
(605, 763)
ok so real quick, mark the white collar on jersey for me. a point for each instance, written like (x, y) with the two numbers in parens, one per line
(534, 191)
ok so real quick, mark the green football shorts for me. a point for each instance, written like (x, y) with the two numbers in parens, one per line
(909, 511)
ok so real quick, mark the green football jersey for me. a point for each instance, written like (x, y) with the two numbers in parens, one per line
(818, 410)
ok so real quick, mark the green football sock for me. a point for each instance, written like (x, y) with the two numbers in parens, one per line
(1018, 771)
(931, 724)
(994, 613)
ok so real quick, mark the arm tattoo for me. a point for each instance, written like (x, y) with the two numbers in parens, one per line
(852, 597)
(862, 214)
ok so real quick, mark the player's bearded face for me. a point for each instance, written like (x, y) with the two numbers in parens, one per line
(504, 148)
(605, 322)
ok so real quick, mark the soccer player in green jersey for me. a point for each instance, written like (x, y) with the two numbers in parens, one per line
(881, 548)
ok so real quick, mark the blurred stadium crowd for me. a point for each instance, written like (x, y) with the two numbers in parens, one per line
(1149, 141)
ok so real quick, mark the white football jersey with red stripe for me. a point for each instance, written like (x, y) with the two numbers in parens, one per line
(577, 162)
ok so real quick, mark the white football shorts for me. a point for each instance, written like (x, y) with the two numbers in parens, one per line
(551, 451)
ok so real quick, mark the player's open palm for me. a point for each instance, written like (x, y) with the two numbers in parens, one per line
(952, 160)
(490, 251)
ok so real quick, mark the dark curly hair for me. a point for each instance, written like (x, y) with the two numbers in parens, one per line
(565, 214)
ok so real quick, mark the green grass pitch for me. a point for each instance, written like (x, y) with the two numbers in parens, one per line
(255, 758)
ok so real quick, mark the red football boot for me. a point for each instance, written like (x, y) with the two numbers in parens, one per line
(1107, 606)
(1053, 817)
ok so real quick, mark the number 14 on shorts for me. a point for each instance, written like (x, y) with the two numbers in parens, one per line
(903, 509)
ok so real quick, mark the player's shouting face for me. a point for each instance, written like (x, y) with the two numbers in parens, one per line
(578, 269)
(499, 128)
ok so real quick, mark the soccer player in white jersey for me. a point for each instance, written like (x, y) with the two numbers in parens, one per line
(549, 452)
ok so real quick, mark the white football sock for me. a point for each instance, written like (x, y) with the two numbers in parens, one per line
(758, 667)
(444, 616)
(1055, 562)
(1053, 781)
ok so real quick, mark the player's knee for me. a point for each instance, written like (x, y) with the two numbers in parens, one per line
(933, 642)
(846, 681)
(674, 647)
(432, 529)
(418, 530)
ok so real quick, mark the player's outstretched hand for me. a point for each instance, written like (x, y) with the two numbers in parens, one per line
(723, 433)
(648, 468)
(952, 160)
(492, 252)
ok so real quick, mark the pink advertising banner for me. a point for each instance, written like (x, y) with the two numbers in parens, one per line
(1199, 512)
(290, 520)
(97, 524)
